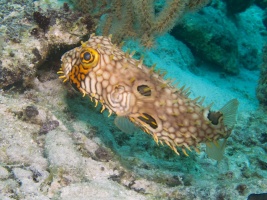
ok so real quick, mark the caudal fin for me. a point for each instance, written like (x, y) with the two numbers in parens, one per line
(215, 150)
(229, 112)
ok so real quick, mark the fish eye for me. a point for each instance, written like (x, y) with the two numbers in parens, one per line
(89, 58)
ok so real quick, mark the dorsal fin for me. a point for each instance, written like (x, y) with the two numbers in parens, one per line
(229, 112)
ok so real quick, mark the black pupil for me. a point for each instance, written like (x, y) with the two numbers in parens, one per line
(86, 56)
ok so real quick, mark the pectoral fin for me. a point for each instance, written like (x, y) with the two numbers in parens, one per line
(216, 150)
(125, 125)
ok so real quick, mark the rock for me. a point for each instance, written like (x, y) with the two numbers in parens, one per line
(261, 3)
(250, 34)
(62, 155)
(48, 126)
(7, 189)
(17, 144)
(262, 163)
(264, 19)
(5, 198)
(3, 173)
(211, 37)
(228, 44)
(29, 189)
(31, 111)
(24, 46)
(103, 154)
(237, 6)
(262, 85)
(25, 178)
(98, 190)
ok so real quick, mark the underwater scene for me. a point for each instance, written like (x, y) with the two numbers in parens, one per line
(133, 100)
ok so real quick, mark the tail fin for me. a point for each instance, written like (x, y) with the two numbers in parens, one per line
(215, 150)
(229, 112)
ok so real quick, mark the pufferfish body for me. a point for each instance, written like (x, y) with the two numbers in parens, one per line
(126, 87)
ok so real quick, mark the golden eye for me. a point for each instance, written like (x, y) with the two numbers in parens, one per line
(89, 58)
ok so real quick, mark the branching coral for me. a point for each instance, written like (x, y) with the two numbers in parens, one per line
(196, 4)
(94, 7)
(143, 22)
(137, 18)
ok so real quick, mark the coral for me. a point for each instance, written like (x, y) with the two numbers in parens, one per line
(196, 4)
(95, 8)
(137, 18)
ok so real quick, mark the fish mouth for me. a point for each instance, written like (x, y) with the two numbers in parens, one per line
(64, 70)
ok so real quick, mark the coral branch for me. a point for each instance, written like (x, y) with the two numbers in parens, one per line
(138, 18)
(167, 18)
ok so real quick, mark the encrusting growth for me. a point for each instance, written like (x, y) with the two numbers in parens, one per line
(137, 94)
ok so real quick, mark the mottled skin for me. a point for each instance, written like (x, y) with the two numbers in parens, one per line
(128, 88)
